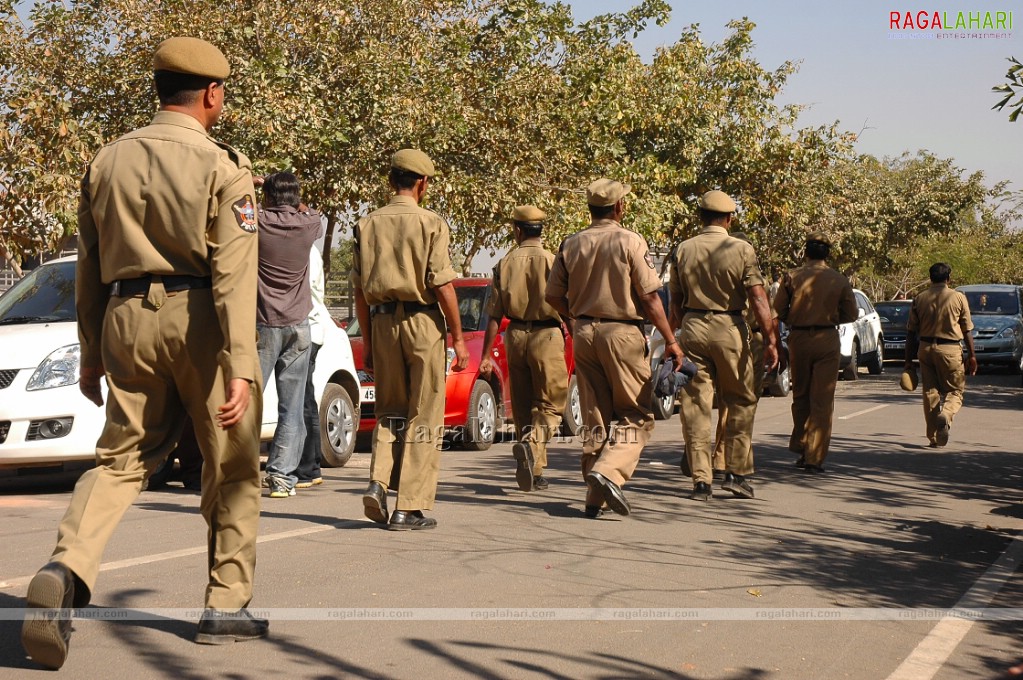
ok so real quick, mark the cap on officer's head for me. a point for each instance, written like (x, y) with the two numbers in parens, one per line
(717, 201)
(191, 56)
(606, 192)
(528, 214)
(819, 237)
(414, 161)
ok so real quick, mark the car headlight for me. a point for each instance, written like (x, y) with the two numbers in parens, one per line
(449, 358)
(58, 369)
(1009, 332)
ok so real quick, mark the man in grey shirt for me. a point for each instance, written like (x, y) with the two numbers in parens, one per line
(287, 230)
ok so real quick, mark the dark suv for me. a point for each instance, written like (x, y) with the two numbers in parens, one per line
(894, 317)
(997, 312)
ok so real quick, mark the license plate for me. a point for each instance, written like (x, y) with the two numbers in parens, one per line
(368, 394)
(895, 345)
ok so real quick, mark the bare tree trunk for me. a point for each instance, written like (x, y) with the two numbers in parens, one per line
(328, 240)
(10, 261)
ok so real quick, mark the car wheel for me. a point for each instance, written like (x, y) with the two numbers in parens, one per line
(852, 371)
(663, 407)
(339, 422)
(781, 385)
(482, 424)
(875, 364)
(572, 418)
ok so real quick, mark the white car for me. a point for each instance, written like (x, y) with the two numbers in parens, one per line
(45, 422)
(861, 342)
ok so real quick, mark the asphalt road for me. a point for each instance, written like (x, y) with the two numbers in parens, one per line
(852, 574)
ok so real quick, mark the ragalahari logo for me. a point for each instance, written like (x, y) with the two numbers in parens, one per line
(955, 25)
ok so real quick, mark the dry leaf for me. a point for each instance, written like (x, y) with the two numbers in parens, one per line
(755, 592)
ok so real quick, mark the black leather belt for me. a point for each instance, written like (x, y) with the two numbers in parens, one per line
(813, 328)
(694, 310)
(409, 307)
(632, 322)
(542, 323)
(938, 341)
(171, 283)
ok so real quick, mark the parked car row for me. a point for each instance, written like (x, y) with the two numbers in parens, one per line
(46, 423)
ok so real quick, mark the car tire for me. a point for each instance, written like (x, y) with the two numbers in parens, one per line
(339, 423)
(481, 427)
(852, 371)
(572, 418)
(663, 407)
(781, 385)
(875, 364)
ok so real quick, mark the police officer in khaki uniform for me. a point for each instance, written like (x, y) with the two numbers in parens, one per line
(166, 278)
(713, 277)
(402, 277)
(533, 343)
(813, 300)
(756, 344)
(604, 278)
(938, 321)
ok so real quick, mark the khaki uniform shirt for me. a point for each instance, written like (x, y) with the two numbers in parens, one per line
(401, 253)
(168, 199)
(712, 271)
(520, 283)
(940, 312)
(603, 270)
(815, 295)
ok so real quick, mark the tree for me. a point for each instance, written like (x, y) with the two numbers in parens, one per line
(1013, 88)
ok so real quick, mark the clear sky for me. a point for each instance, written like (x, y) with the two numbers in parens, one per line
(910, 94)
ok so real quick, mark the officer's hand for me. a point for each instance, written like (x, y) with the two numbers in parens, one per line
(673, 350)
(770, 357)
(461, 356)
(486, 366)
(367, 355)
(783, 357)
(971, 365)
(89, 383)
(238, 396)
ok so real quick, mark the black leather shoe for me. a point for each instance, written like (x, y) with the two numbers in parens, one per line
(738, 485)
(941, 433)
(611, 492)
(801, 462)
(593, 511)
(220, 628)
(404, 520)
(540, 483)
(523, 465)
(701, 492)
(814, 469)
(374, 502)
(46, 634)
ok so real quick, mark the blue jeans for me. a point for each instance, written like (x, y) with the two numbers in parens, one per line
(284, 351)
(309, 466)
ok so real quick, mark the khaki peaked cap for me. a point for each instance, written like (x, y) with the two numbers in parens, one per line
(528, 214)
(820, 237)
(413, 160)
(606, 192)
(717, 201)
(191, 56)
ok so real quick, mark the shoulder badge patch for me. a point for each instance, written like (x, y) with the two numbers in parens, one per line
(649, 260)
(245, 213)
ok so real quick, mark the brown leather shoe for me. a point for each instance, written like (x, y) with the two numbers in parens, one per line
(46, 632)
(523, 465)
(374, 503)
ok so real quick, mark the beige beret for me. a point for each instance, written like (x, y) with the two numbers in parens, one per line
(909, 379)
(191, 56)
(820, 237)
(717, 201)
(606, 192)
(528, 213)
(415, 161)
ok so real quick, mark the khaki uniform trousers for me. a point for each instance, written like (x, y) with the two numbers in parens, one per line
(613, 375)
(942, 374)
(756, 344)
(408, 365)
(160, 367)
(719, 346)
(814, 360)
(538, 378)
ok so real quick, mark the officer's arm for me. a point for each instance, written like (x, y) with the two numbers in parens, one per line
(365, 327)
(912, 337)
(757, 297)
(448, 301)
(654, 311)
(966, 325)
(90, 299)
(493, 326)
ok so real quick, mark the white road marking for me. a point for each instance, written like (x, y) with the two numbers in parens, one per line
(934, 650)
(864, 411)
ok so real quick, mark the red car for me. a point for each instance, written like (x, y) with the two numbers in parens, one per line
(475, 407)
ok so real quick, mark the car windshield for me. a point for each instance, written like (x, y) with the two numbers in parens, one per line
(46, 294)
(895, 313)
(471, 307)
(992, 302)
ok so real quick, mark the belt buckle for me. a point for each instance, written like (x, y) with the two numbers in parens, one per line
(115, 288)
